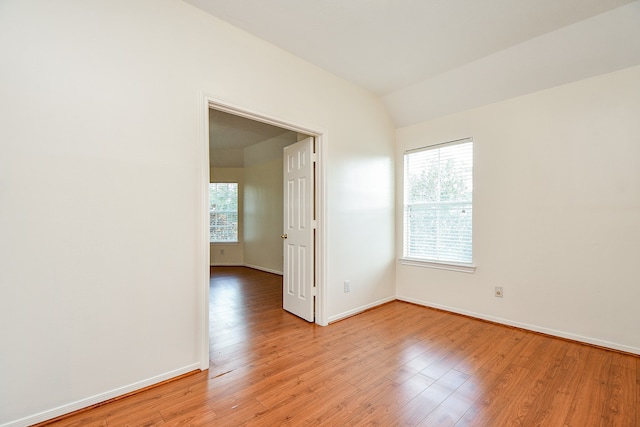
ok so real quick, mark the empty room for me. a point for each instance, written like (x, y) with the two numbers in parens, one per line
(218, 212)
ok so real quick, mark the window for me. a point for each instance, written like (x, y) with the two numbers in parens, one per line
(223, 212)
(438, 189)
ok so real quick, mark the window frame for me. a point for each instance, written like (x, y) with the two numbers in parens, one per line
(236, 212)
(459, 266)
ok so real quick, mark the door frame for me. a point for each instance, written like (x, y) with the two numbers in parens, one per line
(212, 102)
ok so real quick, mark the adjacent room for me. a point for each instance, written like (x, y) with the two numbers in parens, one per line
(471, 205)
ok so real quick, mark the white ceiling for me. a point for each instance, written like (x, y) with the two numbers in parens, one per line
(229, 135)
(228, 131)
(392, 47)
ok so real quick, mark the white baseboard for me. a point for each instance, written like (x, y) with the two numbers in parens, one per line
(529, 327)
(268, 270)
(359, 309)
(255, 267)
(98, 398)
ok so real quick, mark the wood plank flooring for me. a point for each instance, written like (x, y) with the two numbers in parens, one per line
(399, 364)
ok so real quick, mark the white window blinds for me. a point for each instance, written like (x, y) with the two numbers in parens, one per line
(223, 212)
(438, 189)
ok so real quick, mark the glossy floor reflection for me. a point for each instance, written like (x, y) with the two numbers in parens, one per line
(398, 364)
(401, 364)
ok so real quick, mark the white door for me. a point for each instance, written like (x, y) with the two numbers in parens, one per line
(298, 233)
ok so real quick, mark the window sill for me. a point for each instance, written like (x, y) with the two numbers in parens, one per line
(450, 266)
(224, 243)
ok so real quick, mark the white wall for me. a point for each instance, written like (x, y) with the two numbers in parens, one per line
(556, 212)
(229, 253)
(263, 211)
(100, 170)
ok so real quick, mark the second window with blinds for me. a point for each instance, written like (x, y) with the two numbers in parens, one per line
(438, 204)
(223, 212)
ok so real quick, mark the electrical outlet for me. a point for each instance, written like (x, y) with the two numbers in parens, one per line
(347, 286)
(499, 293)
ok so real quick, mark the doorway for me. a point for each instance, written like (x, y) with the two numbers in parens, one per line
(246, 224)
(233, 113)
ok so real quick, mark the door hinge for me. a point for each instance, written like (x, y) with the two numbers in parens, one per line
(314, 224)
(314, 292)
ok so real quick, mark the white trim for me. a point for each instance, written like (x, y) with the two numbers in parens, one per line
(203, 254)
(98, 398)
(527, 326)
(450, 266)
(268, 270)
(236, 110)
(438, 145)
(227, 264)
(255, 267)
(321, 138)
(360, 309)
(321, 225)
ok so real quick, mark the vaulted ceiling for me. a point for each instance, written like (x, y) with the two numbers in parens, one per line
(426, 58)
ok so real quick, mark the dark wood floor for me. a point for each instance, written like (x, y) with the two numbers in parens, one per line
(398, 364)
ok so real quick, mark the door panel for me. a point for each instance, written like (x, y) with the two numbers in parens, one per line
(298, 237)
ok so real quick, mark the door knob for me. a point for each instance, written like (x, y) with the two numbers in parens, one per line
(283, 236)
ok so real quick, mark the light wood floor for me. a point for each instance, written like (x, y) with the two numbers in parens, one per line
(398, 364)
